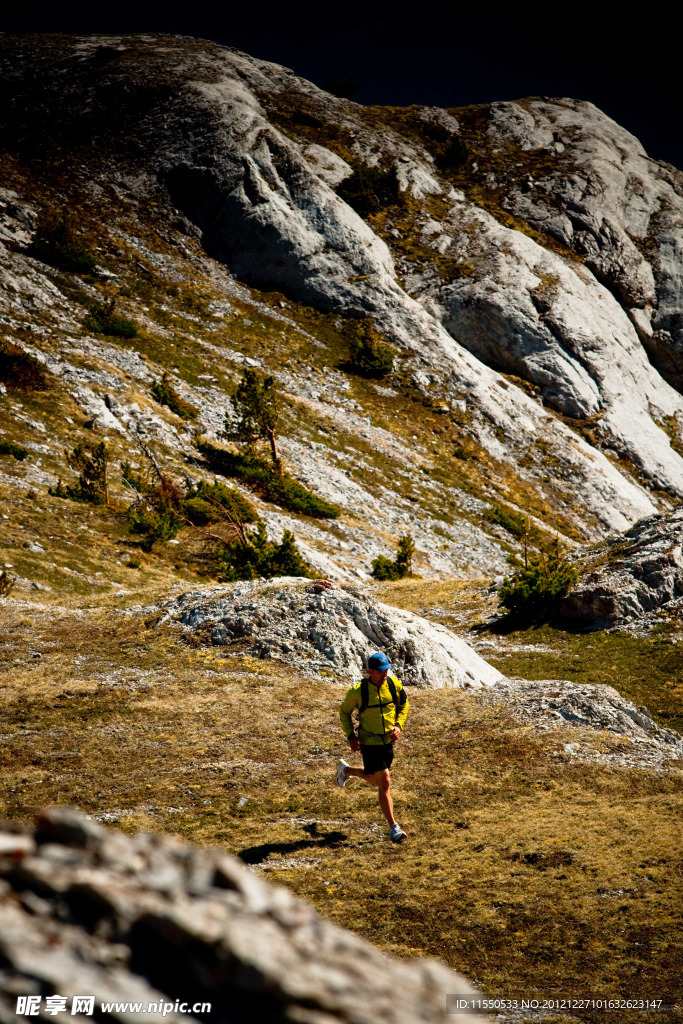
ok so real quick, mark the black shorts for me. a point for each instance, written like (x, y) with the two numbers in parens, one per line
(377, 757)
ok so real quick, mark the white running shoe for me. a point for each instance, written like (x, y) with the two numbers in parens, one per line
(341, 773)
(397, 834)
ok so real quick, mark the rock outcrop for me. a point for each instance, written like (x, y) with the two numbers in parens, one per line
(148, 920)
(633, 579)
(603, 197)
(333, 630)
(548, 703)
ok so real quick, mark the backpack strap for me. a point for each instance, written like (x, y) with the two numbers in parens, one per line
(364, 698)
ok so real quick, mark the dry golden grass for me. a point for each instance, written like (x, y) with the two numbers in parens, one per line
(532, 874)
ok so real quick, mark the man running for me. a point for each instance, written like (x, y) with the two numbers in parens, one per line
(382, 711)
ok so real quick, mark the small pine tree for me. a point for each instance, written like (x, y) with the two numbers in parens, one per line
(257, 556)
(404, 556)
(20, 371)
(538, 586)
(257, 411)
(103, 319)
(158, 515)
(91, 462)
(56, 242)
(402, 566)
(369, 356)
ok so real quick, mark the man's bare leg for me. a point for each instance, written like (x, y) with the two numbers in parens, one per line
(382, 781)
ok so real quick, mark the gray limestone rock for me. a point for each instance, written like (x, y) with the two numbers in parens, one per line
(150, 920)
(548, 703)
(609, 202)
(334, 630)
(632, 579)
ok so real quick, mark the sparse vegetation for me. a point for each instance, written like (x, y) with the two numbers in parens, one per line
(253, 556)
(103, 319)
(15, 450)
(20, 371)
(369, 189)
(91, 462)
(369, 355)
(166, 394)
(400, 567)
(207, 503)
(56, 242)
(260, 476)
(516, 849)
(514, 522)
(539, 584)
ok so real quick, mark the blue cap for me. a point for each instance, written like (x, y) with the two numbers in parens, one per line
(378, 661)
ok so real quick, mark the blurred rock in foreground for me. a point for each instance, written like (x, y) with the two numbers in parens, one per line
(145, 918)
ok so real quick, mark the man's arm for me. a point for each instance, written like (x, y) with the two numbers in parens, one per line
(402, 710)
(351, 701)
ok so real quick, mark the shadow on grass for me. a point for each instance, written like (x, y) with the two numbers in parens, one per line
(257, 854)
(515, 622)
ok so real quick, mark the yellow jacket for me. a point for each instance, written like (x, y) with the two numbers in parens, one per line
(380, 715)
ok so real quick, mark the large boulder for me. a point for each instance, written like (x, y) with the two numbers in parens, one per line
(149, 920)
(335, 630)
(633, 579)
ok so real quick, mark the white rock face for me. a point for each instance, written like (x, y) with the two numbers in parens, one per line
(612, 204)
(529, 312)
(336, 630)
(641, 579)
(326, 164)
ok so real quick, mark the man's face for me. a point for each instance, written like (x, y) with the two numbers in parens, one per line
(377, 675)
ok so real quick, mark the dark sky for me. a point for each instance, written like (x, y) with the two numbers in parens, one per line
(442, 54)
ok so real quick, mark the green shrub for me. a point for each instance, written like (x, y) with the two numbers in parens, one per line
(56, 243)
(158, 516)
(134, 478)
(257, 410)
(260, 557)
(514, 522)
(15, 450)
(537, 587)
(207, 503)
(152, 525)
(402, 566)
(452, 153)
(20, 371)
(369, 189)
(103, 319)
(91, 461)
(264, 480)
(368, 355)
(165, 394)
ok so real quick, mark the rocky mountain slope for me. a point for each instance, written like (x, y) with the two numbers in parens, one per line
(521, 257)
